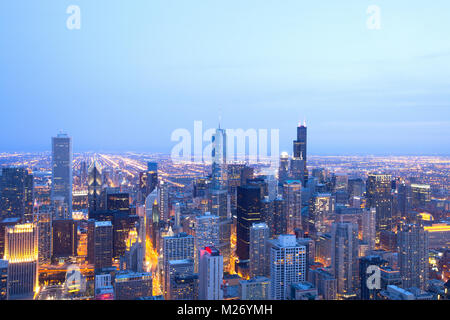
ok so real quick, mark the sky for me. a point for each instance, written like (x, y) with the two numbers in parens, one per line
(137, 70)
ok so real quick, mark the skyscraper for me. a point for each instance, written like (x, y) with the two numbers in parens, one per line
(292, 196)
(255, 289)
(183, 282)
(177, 247)
(21, 251)
(412, 241)
(62, 169)
(206, 231)
(95, 183)
(248, 213)
(287, 265)
(219, 159)
(210, 274)
(344, 258)
(65, 238)
(100, 243)
(16, 194)
(378, 193)
(43, 221)
(368, 291)
(298, 162)
(258, 264)
(3, 279)
(368, 227)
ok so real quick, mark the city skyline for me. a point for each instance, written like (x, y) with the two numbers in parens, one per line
(225, 152)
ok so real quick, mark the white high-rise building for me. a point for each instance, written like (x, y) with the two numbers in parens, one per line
(62, 169)
(210, 274)
(287, 265)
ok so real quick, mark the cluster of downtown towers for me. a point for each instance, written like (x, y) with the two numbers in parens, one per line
(293, 234)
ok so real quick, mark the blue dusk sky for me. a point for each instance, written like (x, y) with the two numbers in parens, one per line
(137, 70)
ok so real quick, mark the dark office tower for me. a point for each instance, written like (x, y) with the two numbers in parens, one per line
(183, 283)
(412, 241)
(300, 171)
(100, 243)
(201, 187)
(421, 195)
(356, 187)
(320, 209)
(122, 223)
(148, 180)
(238, 174)
(404, 200)
(279, 217)
(83, 173)
(369, 289)
(62, 169)
(344, 258)
(65, 238)
(283, 170)
(132, 285)
(320, 174)
(16, 194)
(118, 202)
(94, 187)
(248, 213)
(292, 196)
(267, 214)
(378, 193)
(3, 280)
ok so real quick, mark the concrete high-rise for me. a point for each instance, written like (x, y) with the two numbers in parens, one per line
(412, 241)
(287, 265)
(62, 169)
(378, 193)
(95, 183)
(292, 196)
(344, 258)
(259, 263)
(248, 213)
(210, 274)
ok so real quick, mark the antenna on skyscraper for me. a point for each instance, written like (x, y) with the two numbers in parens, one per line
(220, 116)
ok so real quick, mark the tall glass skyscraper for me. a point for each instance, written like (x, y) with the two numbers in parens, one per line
(298, 162)
(16, 194)
(62, 169)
